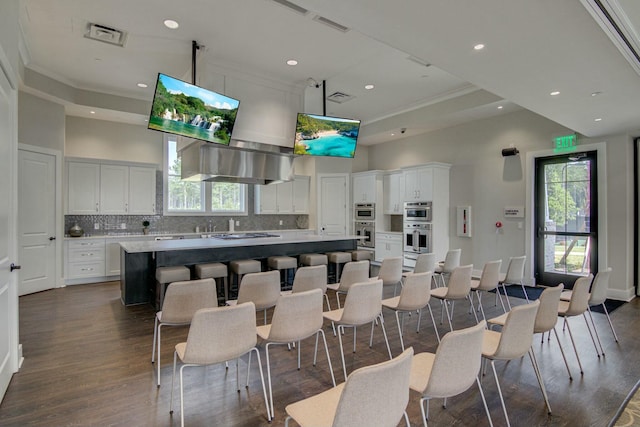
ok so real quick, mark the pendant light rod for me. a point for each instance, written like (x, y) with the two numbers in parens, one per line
(324, 97)
(194, 48)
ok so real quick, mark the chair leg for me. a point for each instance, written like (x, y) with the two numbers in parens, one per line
(400, 331)
(384, 332)
(504, 408)
(480, 305)
(419, 319)
(433, 321)
(566, 323)
(562, 352)
(484, 401)
(586, 321)
(248, 370)
(155, 333)
(424, 410)
(173, 377)
(595, 330)
(158, 361)
(524, 291)
(446, 307)
(406, 419)
(326, 298)
(536, 368)
(299, 355)
(344, 365)
(472, 307)
(264, 391)
(615, 336)
(326, 350)
(270, 404)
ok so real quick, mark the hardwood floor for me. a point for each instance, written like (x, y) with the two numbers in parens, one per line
(87, 363)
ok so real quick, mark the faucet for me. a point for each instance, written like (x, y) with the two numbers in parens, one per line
(210, 228)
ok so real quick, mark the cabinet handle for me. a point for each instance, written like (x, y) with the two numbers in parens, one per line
(153, 208)
(126, 207)
(88, 254)
(97, 207)
(86, 269)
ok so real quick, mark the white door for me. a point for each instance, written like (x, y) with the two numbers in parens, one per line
(333, 204)
(36, 221)
(8, 280)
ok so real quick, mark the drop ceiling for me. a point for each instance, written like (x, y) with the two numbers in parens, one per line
(418, 54)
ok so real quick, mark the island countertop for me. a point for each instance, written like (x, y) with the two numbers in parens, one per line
(139, 246)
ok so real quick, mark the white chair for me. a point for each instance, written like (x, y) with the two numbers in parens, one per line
(218, 335)
(391, 272)
(353, 272)
(181, 301)
(424, 262)
(297, 316)
(363, 305)
(513, 342)
(514, 276)
(308, 278)
(451, 261)
(459, 287)
(451, 370)
(414, 296)
(488, 282)
(375, 395)
(263, 289)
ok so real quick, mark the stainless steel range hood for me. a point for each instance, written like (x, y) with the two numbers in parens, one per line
(242, 162)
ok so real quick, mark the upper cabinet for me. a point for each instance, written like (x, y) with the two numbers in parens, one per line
(418, 184)
(393, 185)
(366, 187)
(290, 197)
(110, 189)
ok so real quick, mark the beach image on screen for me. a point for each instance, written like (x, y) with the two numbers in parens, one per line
(191, 111)
(326, 136)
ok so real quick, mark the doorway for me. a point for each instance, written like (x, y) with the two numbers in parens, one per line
(333, 198)
(566, 218)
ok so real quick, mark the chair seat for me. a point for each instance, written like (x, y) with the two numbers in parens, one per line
(333, 286)
(313, 259)
(263, 331)
(440, 293)
(213, 270)
(333, 315)
(159, 316)
(490, 341)
(318, 410)
(245, 266)
(391, 303)
(339, 257)
(172, 274)
(361, 255)
(421, 367)
(282, 262)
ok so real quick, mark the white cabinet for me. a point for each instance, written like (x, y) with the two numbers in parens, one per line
(418, 184)
(393, 185)
(110, 189)
(290, 197)
(388, 245)
(365, 187)
(112, 259)
(85, 258)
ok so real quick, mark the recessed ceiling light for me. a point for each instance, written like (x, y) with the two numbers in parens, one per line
(554, 93)
(92, 112)
(369, 87)
(142, 85)
(479, 46)
(393, 134)
(171, 24)
(292, 62)
(500, 107)
(599, 119)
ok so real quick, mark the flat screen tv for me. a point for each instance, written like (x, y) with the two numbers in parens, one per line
(191, 111)
(326, 136)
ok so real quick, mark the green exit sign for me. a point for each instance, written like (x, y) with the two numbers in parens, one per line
(565, 143)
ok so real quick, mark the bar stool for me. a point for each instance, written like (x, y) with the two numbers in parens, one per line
(214, 270)
(313, 259)
(166, 275)
(283, 264)
(362, 255)
(242, 267)
(338, 258)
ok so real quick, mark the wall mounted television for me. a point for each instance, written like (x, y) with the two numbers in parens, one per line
(326, 136)
(192, 111)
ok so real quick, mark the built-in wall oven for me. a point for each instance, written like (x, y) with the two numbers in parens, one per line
(417, 229)
(417, 211)
(367, 230)
(364, 211)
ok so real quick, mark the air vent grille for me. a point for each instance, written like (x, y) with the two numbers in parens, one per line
(418, 61)
(330, 23)
(292, 6)
(340, 97)
(105, 34)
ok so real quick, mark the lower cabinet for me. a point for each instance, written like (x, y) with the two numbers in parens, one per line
(84, 259)
(388, 245)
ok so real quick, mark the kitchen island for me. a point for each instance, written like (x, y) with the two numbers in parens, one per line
(139, 259)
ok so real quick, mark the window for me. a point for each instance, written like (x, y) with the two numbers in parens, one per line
(198, 198)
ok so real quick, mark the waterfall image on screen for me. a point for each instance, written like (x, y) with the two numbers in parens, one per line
(326, 136)
(191, 111)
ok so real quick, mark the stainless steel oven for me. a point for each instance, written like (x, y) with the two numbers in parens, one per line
(364, 211)
(368, 231)
(417, 237)
(417, 211)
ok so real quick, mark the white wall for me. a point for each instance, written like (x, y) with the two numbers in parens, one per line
(40, 122)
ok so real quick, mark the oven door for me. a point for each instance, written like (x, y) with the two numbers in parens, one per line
(368, 232)
(417, 240)
(364, 214)
(417, 214)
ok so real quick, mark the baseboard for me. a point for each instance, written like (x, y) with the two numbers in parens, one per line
(622, 295)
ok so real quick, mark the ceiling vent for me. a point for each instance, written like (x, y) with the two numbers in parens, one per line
(330, 23)
(340, 97)
(418, 61)
(106, 34)
(294, 7)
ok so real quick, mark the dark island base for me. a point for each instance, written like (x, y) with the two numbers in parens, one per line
(137, 275)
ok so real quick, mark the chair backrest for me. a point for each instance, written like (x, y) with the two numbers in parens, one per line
(515, 270)
(517, 333)
(376, 395)
(311, 277)
(548, 311)
(451, 260)
(353, 272)
(220, 334)
(599, 287)
(416, 291)
(182, 299)
(363, 303)
(459, 284)
(579, 301)
(391, 270)
(297, 316)
(457, 362)
(263, 289)
(425, 262)
(490, 275)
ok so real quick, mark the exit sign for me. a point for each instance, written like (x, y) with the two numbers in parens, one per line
(565, 143)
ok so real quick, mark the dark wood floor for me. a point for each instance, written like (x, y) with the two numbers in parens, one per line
(87, 363)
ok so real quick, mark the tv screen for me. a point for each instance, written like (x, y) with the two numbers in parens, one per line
(326, 136)
(191, 111)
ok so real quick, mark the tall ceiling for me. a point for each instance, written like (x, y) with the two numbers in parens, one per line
(418, 54)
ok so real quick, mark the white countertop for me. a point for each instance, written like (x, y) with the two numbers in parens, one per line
(189, 235)
(212, 243)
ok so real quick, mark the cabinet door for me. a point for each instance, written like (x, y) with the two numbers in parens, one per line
(364, 189)
(142, 191)
(410, 185)
(393, 193)
(83, 195)
(266, 199)
(285, 197)
(112, 264)
(395, 246)
(424, 184)
(114, 189)
(301, 195)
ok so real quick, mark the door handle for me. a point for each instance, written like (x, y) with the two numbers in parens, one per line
(52, 238)
(14, 267)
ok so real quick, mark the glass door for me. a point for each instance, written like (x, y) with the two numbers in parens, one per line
(566, 207)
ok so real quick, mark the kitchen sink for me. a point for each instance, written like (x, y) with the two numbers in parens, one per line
(235, 236)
